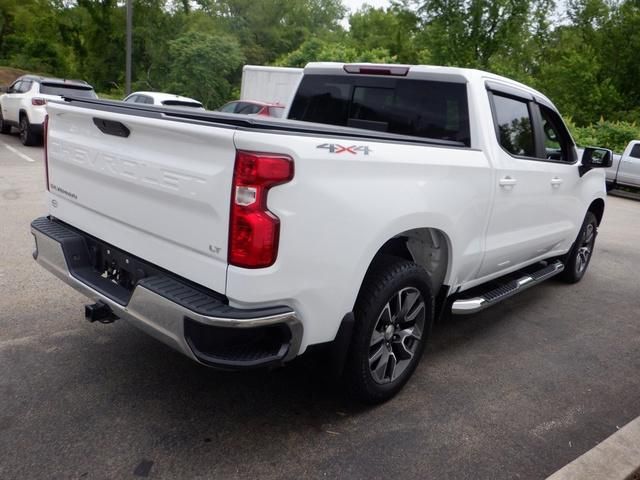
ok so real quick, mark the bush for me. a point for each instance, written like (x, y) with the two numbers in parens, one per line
(605, 133)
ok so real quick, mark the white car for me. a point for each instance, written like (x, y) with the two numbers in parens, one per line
(391, 194)
(23, 104)
(163, 99)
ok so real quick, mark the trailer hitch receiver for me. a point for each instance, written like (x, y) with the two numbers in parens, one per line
(100, 312)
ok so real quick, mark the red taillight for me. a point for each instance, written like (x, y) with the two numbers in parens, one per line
(253, 230)
(46, 153)
(38, 101)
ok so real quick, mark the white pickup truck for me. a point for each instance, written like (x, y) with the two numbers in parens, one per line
(625, 168)
(390, 195)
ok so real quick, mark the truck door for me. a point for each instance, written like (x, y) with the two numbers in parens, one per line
(629, 172)
(536, 207)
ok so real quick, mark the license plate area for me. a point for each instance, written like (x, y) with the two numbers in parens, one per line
(117, 266)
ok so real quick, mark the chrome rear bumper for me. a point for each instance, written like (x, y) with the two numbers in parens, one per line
(156, 309)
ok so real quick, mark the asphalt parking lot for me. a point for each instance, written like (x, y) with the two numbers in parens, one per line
(517, 391)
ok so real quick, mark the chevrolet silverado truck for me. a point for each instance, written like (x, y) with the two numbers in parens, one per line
(390, 195)
(625, 168)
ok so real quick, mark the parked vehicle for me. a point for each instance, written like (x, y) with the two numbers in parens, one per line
(163, 99)
(625, 169)
(394, 194)
(274, 85)
(23, 104)
(253, 108)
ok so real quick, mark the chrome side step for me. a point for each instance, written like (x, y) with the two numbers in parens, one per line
(465, 306)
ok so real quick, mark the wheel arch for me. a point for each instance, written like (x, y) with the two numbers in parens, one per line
(426, 246)
(597, 208)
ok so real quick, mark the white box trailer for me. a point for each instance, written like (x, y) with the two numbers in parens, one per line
(269, 84)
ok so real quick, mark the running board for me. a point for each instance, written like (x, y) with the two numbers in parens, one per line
(465, 306)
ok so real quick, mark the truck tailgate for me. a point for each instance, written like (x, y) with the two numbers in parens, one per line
(160, 192)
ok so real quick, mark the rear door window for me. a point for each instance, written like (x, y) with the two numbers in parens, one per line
(420, 108)
(635, 151)
(514, 125)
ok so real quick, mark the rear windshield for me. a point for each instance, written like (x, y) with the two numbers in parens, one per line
(82, 91)
(420, 108)
(181, 103)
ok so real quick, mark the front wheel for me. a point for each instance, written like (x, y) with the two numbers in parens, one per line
(577, 260)
(393, 319)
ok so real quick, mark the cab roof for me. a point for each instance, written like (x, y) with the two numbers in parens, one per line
(425, 72)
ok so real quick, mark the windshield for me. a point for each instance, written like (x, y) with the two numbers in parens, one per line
(62, 89)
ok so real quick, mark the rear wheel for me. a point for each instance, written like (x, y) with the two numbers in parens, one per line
(577, 260)
(393, 319)
(4, 127)
(27, 136)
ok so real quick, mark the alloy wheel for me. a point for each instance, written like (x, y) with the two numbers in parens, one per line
(23, 130)
(586, 248)
(397, 335)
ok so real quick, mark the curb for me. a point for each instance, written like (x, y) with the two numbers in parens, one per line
(616, 458)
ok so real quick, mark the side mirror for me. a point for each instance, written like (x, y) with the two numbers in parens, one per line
(595, 157)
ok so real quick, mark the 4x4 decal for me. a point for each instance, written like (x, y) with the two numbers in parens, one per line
(352, 149)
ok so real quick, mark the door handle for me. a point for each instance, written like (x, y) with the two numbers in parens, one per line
(507, 181)
(556, 182)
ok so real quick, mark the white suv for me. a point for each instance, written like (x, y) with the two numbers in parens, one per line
(23, 105)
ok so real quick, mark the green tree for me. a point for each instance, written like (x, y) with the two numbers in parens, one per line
(29, 37)
(574, 78)
(315, 50)
(202, 66)
(268, 29)
(393, 29)
(469, 33)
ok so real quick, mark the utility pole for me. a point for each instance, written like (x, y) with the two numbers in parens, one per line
(127, 82)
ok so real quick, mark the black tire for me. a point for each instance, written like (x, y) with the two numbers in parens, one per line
(27, 136)
(577, 260)
(5, 128)
(386, 284)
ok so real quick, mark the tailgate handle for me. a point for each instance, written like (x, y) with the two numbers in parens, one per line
(111, 127)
